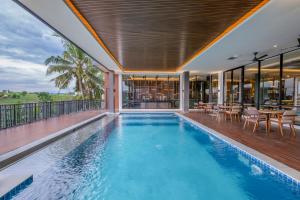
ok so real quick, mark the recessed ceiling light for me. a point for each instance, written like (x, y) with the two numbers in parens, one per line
(275, 45)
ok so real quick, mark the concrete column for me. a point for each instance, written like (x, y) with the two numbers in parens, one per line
(116, 92)
(109, 91)
(185, 91)
(120, 93)
(220, 87)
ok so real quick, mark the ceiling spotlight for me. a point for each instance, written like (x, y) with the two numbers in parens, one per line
(275, 45)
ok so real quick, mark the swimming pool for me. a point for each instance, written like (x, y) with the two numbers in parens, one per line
(156, 156)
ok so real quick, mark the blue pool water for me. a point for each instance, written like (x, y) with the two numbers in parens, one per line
(156, 156)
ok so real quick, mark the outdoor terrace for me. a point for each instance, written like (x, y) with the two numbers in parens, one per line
(16, 137)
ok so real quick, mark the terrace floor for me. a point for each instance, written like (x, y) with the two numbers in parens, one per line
(284, 149)
(13, 138)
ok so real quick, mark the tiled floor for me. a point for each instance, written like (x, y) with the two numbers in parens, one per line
(285, 149)
(13, 138)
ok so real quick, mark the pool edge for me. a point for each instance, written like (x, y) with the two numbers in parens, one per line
(20, 153)
(279, 167)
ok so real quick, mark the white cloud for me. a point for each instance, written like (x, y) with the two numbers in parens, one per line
(19, 75)
(25, 43)
(3, 38)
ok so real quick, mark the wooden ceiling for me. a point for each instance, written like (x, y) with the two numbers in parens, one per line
(159, 35)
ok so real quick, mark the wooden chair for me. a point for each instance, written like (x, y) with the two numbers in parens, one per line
(288, 117)
(253, 116)
(215, 112)
(208, 108)
(234, 111)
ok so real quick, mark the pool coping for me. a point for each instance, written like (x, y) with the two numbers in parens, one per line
(13, 156)
(279, 168)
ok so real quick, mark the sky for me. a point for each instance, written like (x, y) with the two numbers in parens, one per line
(25, 43)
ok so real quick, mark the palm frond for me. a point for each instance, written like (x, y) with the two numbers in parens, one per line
(63, 81)
(57, 60)
(58, 69)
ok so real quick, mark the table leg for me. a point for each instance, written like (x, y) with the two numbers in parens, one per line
(268, 124)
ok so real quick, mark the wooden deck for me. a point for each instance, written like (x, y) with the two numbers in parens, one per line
(285, 149)
(13, 138)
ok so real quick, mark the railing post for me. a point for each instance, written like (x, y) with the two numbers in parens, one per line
(15, 121)
(50, 109)
(0, 117)
(35, 110)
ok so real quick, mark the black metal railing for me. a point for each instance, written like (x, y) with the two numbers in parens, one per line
(17, 114)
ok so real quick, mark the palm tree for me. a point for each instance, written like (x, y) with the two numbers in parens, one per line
(74, 64)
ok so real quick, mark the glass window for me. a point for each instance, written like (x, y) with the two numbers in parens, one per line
(214, 88)
(233, 86)
(269, 83)
(150, 92)
(207, 97)
(250, 84)
(237, 86)
(197, 90)
(290, 79)
(227, 87)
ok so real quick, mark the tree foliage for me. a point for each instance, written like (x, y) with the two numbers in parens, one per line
(75, 65)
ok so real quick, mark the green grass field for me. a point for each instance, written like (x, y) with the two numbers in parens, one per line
(32, 98)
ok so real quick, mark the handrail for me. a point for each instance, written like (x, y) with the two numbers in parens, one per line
(17, 114)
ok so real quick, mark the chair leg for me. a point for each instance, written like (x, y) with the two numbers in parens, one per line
(280, 128)
(245, 124)
(293, 130)
(268, 124)
(255, 126)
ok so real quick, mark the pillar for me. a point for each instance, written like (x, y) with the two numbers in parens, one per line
(116, 92)
(185, 86)
(109, 91)
(220, 87)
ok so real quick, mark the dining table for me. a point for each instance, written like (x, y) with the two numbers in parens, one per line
(269, 113)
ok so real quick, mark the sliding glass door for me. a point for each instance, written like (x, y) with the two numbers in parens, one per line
(291, 80)
(251, 82)
(233, 86)
(269, 83)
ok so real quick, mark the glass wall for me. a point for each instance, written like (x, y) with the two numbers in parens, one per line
(237, 86)
(273, 83)
(250, 84)
(150, 91)
(203, 88)
(290, 80)
(214, 88)
(227, 87)
(269, 82)
(233, 86)
(207, 91)
(197, 85)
